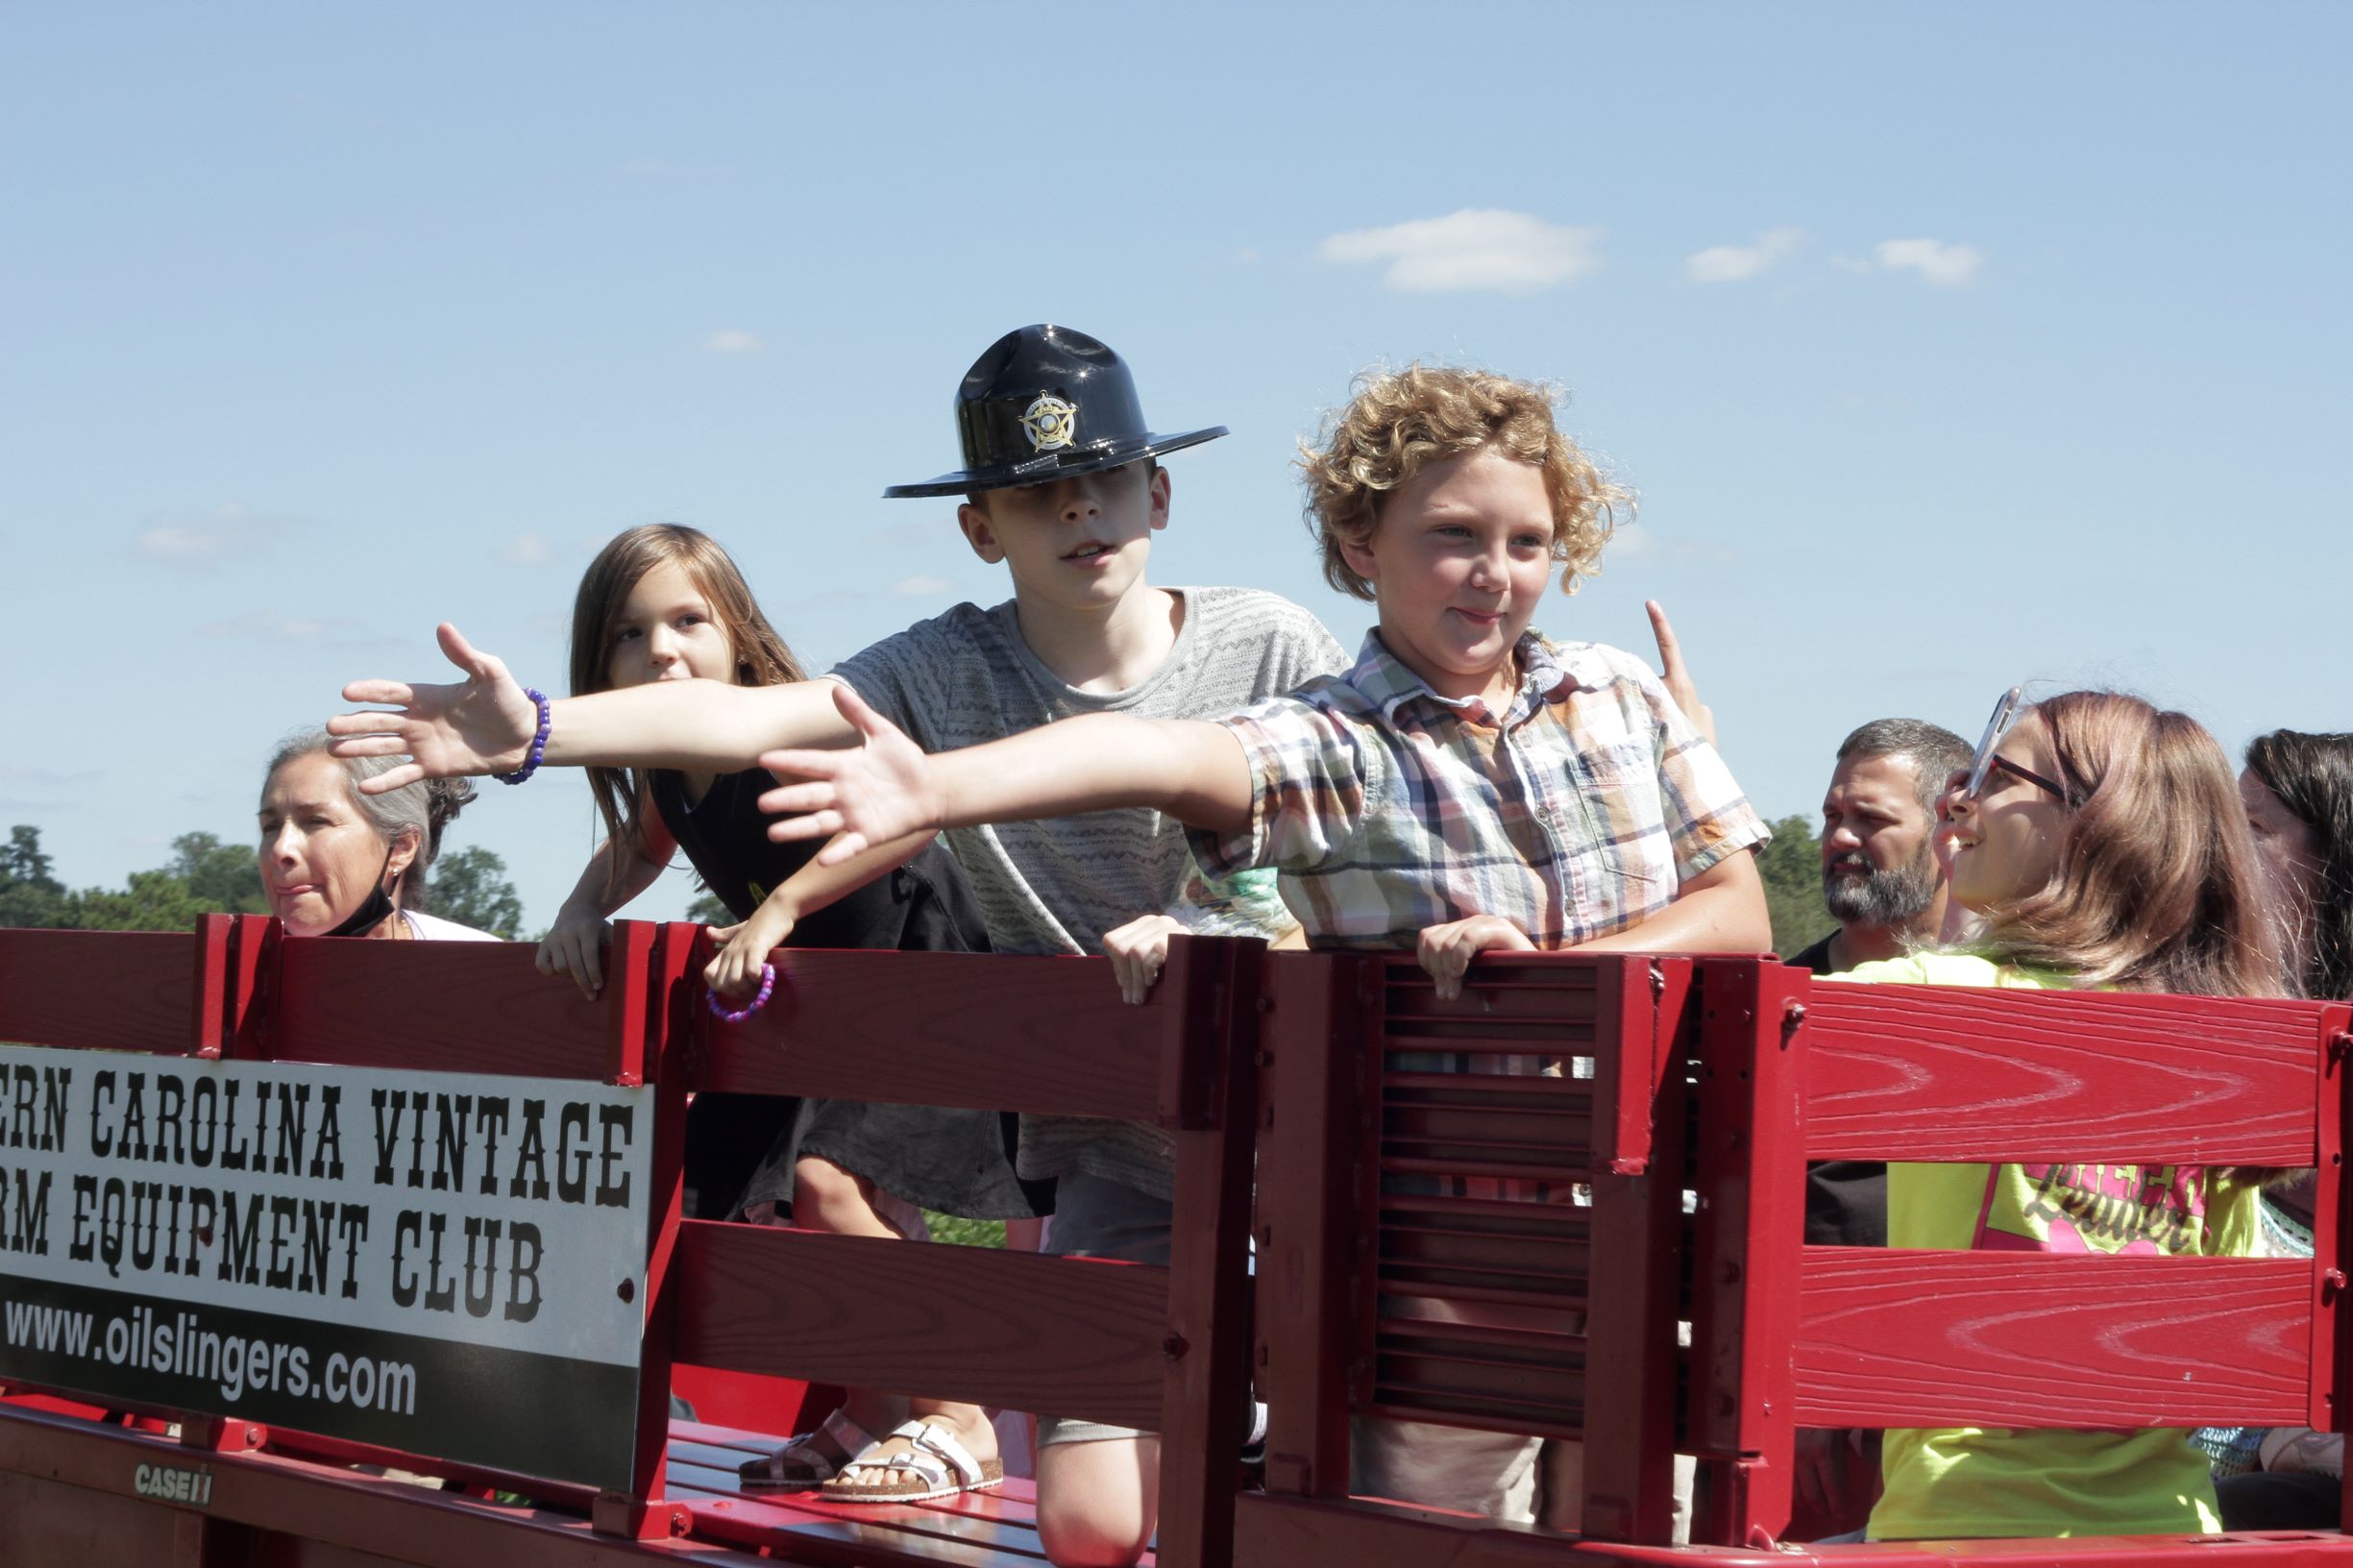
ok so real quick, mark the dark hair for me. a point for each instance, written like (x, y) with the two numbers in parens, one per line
(1935, 751)
(2313, 776)
(761, 657)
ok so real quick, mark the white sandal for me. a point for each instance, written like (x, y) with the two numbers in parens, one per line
(810, 1466)
(936, 1464)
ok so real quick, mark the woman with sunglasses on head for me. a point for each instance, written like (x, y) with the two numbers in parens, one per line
(2095, 844)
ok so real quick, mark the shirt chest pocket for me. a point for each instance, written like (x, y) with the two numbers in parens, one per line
(1622, 811)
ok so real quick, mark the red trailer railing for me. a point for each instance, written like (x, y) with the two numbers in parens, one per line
(1499, 1253)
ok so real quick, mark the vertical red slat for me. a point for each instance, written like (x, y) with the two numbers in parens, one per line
(651, 991)
(1747, 1252)
(1203, 1410)
(1631, 1347)
(2332, 1241)
(209, 996)
(1315, 1029)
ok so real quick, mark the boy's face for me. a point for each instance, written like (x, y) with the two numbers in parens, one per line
(1458, 562)
(1079, 543)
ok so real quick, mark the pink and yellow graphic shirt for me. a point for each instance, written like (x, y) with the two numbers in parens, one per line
(1988, 1481)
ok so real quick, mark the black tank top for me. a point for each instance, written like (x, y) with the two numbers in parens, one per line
(923, 906)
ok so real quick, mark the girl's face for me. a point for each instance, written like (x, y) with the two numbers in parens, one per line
(2287, 852)
(1458, 562)
(2005, 844)
(665, 631)
(321, 857)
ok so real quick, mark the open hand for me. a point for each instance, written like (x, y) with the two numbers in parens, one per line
(481, 724)
(1446, 950)
(1138, 951)
(869, 794)
(1678, 678)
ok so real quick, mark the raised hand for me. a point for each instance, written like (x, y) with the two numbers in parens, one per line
(1677, 677)
(880, 789)
(481, 724)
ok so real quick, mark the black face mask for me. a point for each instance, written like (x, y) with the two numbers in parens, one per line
(379, 905)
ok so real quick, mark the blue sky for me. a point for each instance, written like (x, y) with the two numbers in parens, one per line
(1945, 348)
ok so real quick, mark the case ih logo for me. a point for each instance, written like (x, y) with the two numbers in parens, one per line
(193, 1488)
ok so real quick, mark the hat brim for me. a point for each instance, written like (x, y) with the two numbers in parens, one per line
(1059, 465)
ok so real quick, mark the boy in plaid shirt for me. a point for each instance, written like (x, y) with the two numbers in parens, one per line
(1466, 787)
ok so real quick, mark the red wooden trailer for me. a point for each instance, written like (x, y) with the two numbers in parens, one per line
(1523, 1268)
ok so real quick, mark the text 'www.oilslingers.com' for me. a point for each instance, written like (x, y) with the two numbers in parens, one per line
(235, 1363)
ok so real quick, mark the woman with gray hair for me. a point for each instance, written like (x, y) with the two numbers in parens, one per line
(336, 862)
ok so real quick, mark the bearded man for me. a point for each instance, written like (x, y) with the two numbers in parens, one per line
(1879, 876)
(1882, 883)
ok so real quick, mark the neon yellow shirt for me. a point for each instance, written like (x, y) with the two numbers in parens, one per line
(1957, 1482)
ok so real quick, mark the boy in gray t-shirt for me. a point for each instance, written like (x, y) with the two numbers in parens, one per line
(1062, 483)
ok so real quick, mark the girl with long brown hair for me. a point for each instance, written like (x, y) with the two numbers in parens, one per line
(664, 602)
(2096, 844)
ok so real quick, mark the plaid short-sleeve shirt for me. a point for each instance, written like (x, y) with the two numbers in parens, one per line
(1389, 808)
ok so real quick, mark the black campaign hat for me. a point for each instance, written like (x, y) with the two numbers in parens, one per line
(1043, 403)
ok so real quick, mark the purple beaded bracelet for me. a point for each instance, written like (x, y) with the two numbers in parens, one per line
(539, 741)
(768, 988)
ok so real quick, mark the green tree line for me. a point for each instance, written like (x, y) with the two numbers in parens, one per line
(206, 877)
(471, 886)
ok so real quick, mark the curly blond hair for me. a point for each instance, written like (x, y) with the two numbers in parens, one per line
(1398, 421)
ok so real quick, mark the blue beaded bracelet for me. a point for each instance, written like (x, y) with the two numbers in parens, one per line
(539, 741)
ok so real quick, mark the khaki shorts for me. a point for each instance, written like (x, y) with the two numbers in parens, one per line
(1096, 1218)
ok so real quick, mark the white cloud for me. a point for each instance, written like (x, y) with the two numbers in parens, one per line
(294, 630)
(732, 340)
(527, 550)
(1738, 264)
(1947, 266)
(210, 537)
(1246, 256)
(922, 587)
(1477, 248)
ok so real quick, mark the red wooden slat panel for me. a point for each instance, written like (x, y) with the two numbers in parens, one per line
(967, 1029)
(1064, 1335)
(1897, 1339)
(1321, 1033)
(434, 1007)
(124, 991)
(1944, 1073)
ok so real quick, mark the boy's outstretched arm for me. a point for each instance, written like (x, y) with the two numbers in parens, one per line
(1190, 769)
(484, 724)
(1722, 910)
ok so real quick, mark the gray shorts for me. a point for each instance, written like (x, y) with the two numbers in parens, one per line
(1096, 1218)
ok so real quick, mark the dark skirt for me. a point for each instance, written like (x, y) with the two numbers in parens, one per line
(952, 1161)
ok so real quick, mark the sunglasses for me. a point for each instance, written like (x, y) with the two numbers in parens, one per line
(1985, 763)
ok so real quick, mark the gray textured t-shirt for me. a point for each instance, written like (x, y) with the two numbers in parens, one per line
(967, 678)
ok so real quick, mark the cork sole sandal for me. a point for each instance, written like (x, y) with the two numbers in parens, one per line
(801, 1464)
(935, 1465)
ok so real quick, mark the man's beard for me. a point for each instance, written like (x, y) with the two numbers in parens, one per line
(1882, 898)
